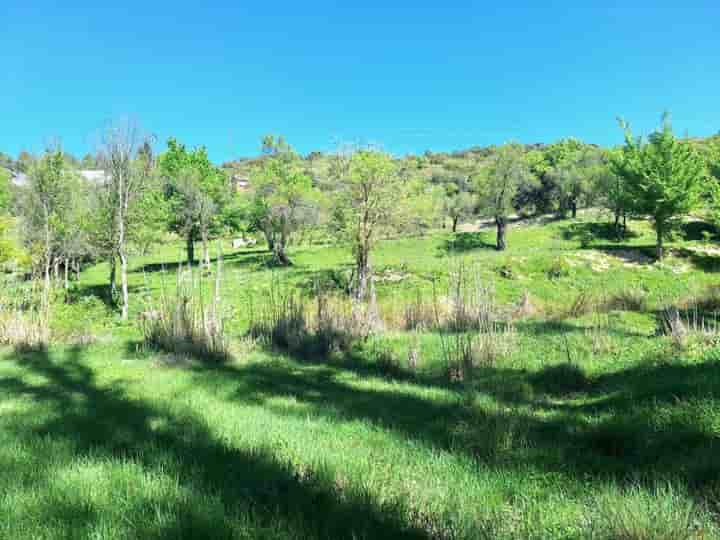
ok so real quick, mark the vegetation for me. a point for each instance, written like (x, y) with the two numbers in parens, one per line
(399, 379)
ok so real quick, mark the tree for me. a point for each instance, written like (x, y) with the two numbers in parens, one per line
(366, 201)
(459, 203)
(283, 196)
(664, 176)
(197, 193)
(498, 185)
(572, 175)
(127, 177)
(44, 212)
(612, 190)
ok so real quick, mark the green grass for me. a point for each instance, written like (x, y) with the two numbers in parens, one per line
(593, 427)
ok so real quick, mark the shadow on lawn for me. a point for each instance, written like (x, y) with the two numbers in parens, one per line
(617, 431)
(102, 422)
(255, 257)
(465, 241)
(584, 231)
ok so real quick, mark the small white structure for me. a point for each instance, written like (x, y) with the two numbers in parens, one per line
(94, 176)
(238, 243)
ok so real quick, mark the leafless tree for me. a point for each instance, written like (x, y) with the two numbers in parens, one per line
(126, 176)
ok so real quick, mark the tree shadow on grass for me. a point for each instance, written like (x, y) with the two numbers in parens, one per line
(584, 231)
(571, 425)
(463, 242)
(697, 230)
(245, 258)
(252, 487)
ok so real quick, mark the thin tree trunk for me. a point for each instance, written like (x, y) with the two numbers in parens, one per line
(454, 224)
(501, 227)
(206, 250)
(616, 226)
(573, 208)
(660, 248)
(113, 278)
(190, 247)
(67, 279)
(123, 268)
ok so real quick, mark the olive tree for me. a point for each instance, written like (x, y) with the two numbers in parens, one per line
(369, 192)
(283, 196)
(498, 183)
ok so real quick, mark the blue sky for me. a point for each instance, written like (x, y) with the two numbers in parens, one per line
(410, 77)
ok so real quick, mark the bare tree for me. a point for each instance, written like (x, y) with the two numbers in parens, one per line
(127, 173)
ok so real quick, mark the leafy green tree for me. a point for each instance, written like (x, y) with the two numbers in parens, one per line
(283, 198)
(665, 177)
(197, 192)
(498, 183)
(365, 203)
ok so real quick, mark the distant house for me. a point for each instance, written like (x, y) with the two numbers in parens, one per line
(240, 182)
(96, 176)
(19, 178)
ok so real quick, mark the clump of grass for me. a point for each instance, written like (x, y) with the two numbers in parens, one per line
(186, 323)
(471, 330)
(418, 314)
(635, 513)
(320, 326)
(23, 324)
(559, 268)
(584, 303)
(690, 325)
(628, 299)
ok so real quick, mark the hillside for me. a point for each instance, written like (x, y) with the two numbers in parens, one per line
(584, 421)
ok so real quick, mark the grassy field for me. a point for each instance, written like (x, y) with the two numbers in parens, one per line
(590, 426)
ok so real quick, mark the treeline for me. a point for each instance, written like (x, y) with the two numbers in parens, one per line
(59, 220)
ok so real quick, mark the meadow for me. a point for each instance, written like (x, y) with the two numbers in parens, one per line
(585, 420)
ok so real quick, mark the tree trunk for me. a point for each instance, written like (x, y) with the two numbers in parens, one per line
(363, 274)
(659, 248)
(123, 268)
(573, 208)
(113, 278)
(454, 224)
(190, 248)
(624, 225)
(206, 250)
(616, 226)
(67, 279)
(124, 283)
(501, 227)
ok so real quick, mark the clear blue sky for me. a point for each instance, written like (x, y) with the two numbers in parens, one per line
(410, 77)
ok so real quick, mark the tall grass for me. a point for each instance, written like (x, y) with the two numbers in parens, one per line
(473, 329)
(185, 321)
(23, 324)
